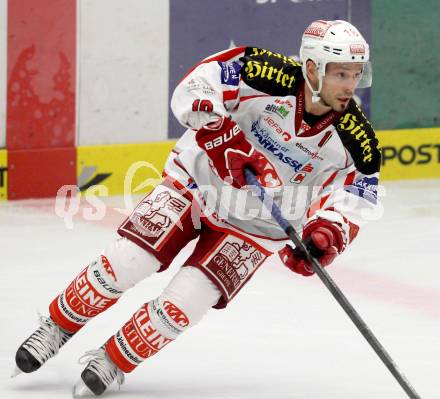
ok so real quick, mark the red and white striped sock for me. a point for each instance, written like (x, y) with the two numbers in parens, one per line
(92, 292)
(152, 327)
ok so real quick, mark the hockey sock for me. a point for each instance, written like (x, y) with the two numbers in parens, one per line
(152, 327)
(184, 302)
(93, 291)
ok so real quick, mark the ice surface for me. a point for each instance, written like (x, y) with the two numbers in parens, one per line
(283, 337)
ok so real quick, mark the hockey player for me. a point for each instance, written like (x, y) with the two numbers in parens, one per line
(298, 128)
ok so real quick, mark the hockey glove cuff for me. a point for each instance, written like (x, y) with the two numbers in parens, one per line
(324, 240)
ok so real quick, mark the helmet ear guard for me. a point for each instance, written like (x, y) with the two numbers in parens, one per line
(334, 41)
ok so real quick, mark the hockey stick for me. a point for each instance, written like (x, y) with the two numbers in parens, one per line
(331, 285)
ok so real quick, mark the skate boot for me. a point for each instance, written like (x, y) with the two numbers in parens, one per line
(43, 344)
(99, 373)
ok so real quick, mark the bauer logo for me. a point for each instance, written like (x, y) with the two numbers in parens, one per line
(230, 73)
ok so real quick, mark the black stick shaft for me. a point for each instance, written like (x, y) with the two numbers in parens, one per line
(332, 287)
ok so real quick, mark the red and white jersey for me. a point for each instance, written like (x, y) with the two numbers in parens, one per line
(329, 169)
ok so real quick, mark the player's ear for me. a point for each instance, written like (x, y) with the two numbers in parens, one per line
(312, 72)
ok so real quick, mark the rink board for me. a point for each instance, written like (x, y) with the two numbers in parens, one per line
(136, 168)
(122, 168)
(270, 24)
(3, 175)
(410, 154)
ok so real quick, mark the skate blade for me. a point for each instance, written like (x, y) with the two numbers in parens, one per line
(80, 390)
(15, 372)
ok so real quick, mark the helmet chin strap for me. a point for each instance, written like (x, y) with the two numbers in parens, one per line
(315, 93)
(315, 97)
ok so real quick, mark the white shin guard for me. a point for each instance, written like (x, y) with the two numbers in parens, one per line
(157, 323)
(131, 264)
(183, 303)
(191, 291)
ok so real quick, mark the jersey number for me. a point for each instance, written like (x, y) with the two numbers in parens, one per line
(202, 105)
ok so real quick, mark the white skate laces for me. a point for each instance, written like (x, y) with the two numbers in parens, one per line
(103, 368)
(47, 340)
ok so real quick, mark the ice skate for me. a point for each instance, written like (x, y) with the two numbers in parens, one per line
(99, 373)
(42, 345)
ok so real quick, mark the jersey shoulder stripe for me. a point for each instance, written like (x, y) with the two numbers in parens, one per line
(269, 72)
(359, 138)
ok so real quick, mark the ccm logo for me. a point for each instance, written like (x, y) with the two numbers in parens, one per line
(218, 141)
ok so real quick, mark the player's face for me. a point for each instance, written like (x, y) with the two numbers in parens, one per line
(340, 82)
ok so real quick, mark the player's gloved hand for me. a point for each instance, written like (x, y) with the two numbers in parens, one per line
(324, 240)
(229, 151)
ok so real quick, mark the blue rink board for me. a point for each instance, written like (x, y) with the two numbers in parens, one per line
(199, 28)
